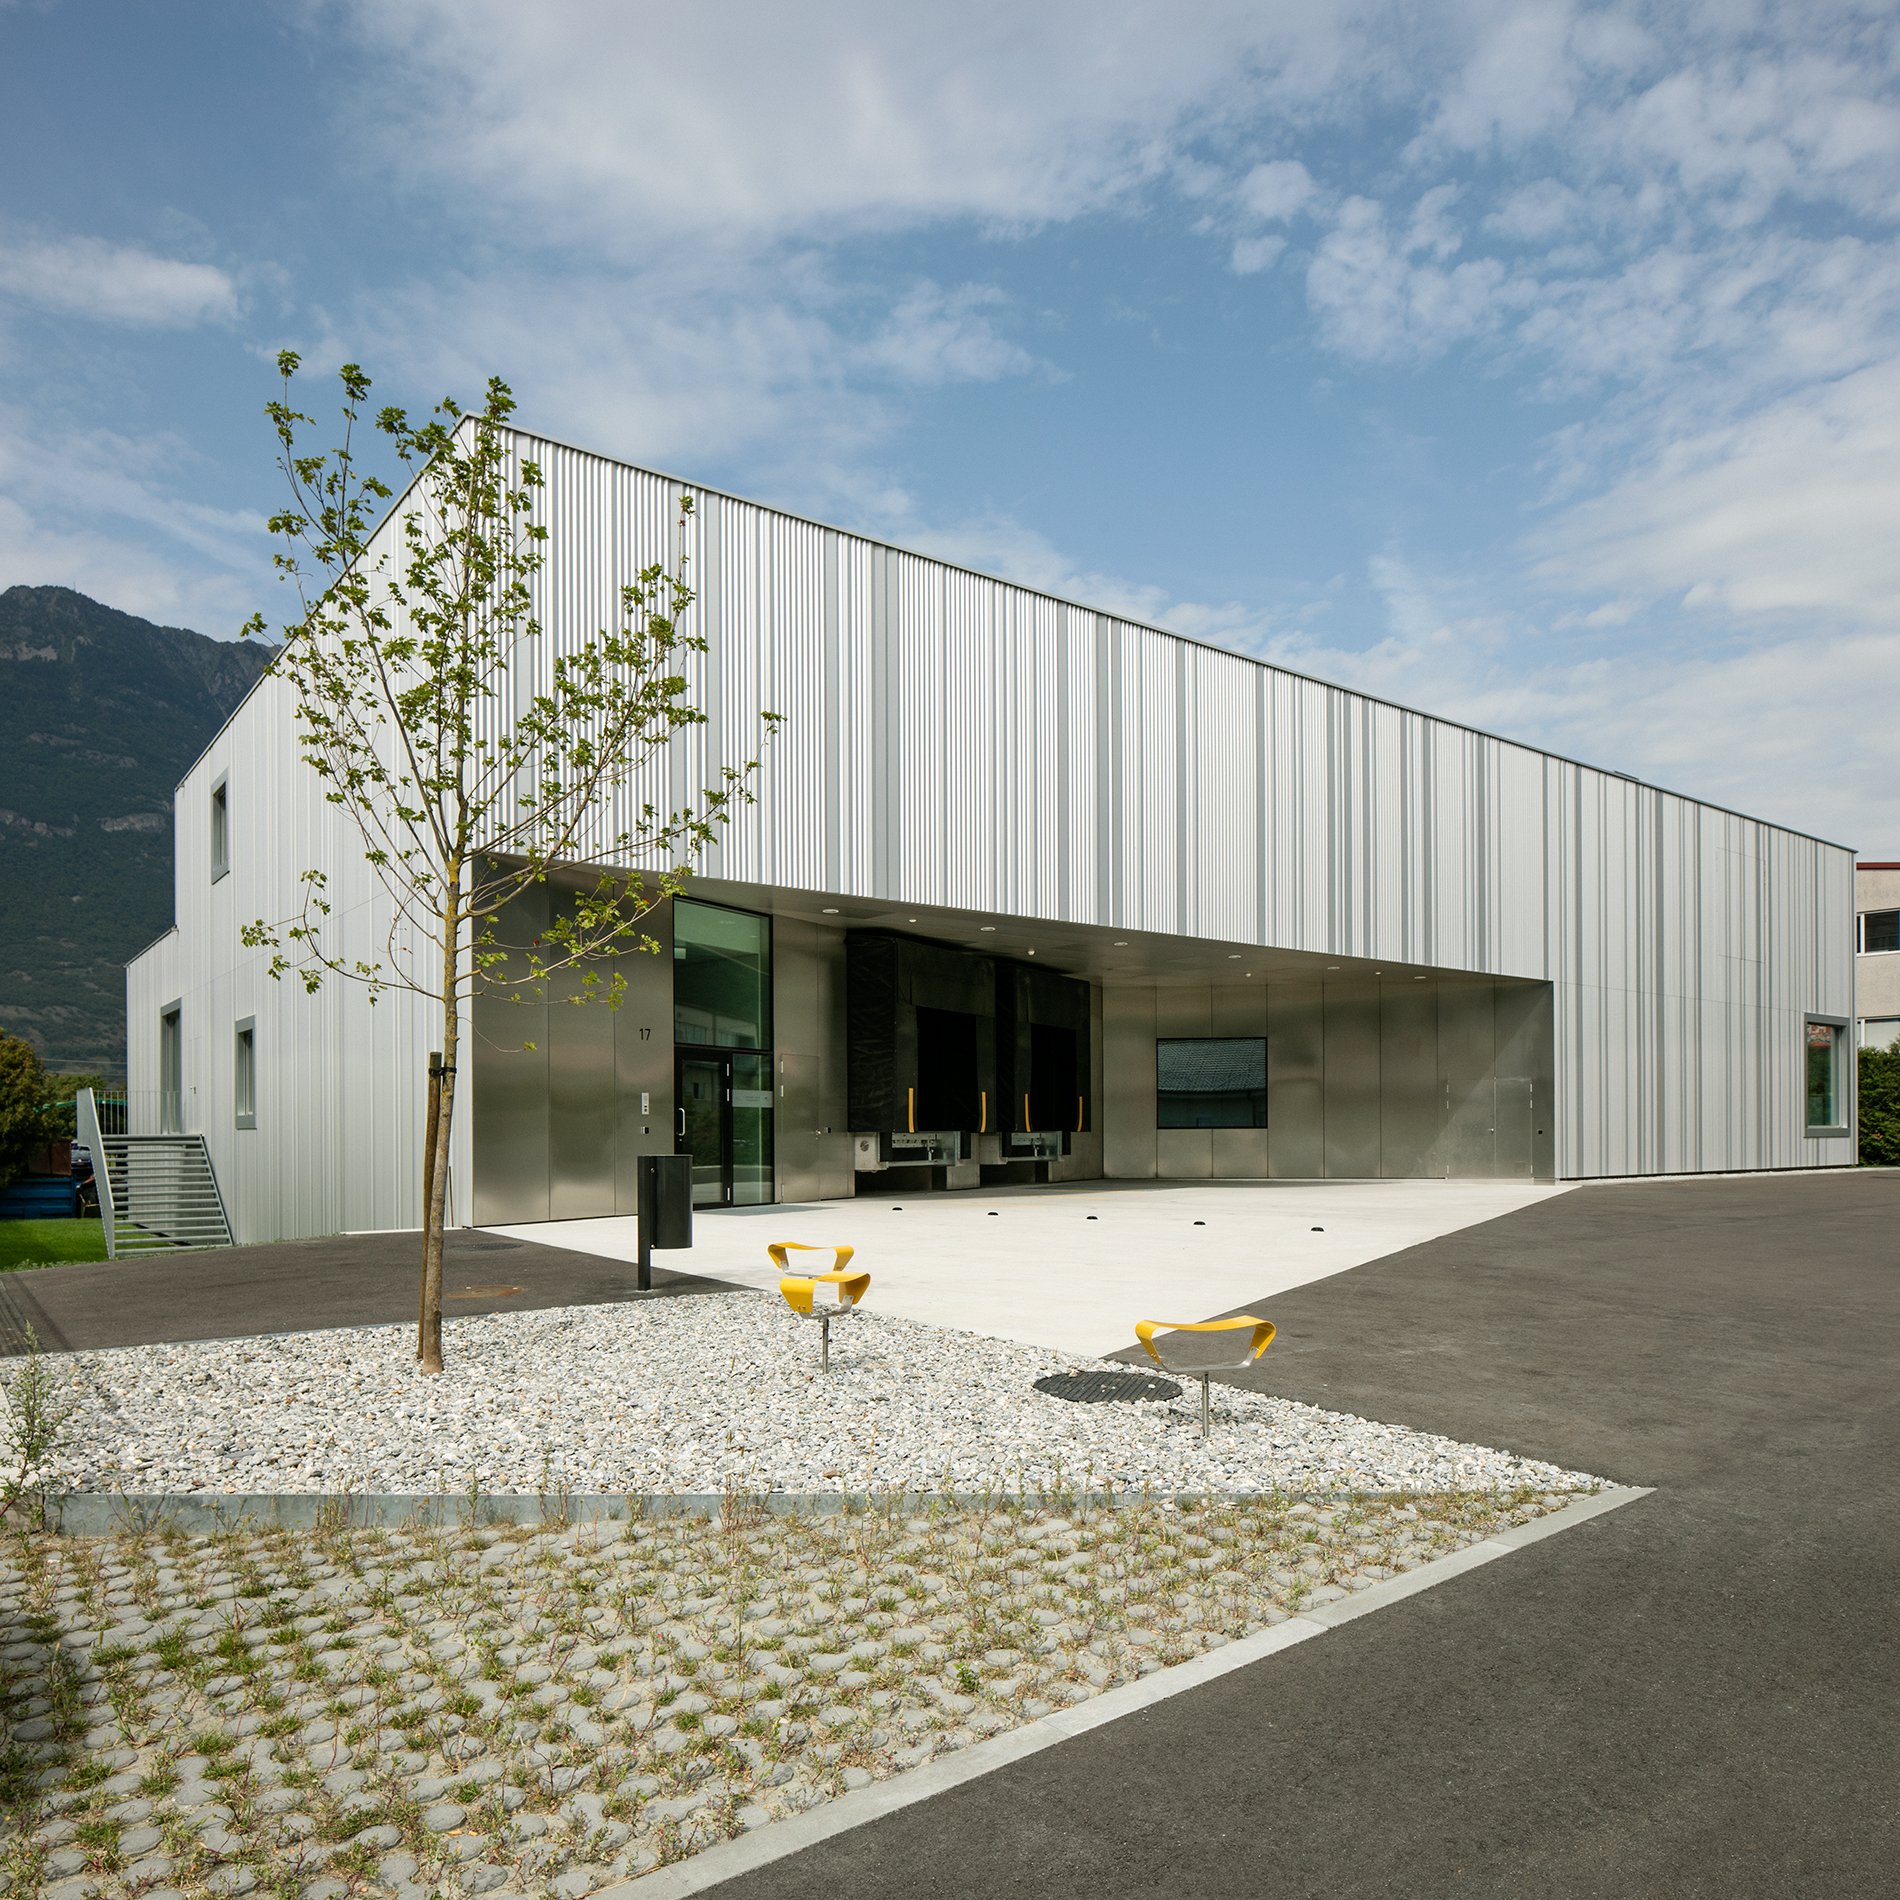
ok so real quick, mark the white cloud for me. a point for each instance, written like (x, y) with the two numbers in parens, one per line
(1518, 81)
(109, 283)
(1788, 512)
(937, 336)
(1252, 254)
(1276, 191)
(1381, 299)
(99, 511)
(1536, 211)
(624, 127)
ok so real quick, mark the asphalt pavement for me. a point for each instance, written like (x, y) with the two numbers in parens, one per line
(300, 1286)
(1693, 1695)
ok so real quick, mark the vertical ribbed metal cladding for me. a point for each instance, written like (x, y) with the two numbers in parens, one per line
(957, 740)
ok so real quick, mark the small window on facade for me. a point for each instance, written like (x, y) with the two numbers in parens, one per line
(1879, 930)
(1826, 1095)
(244, 1090)
(1211, 1082)
(171, 1093)
(220, 829)
(1880, 1032)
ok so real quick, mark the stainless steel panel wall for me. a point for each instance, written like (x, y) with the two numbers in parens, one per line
(1522, 1031)
(1128, 1083)
(1467, 1053)
(1352, 1081)
(814, 1139)
(1515, 1144)
(1181, 1153)
(508, 1097)
(1296, 1081)
(1239, 1009)
(1411, 1102)
(643, 1059)
(583, 1103)
(1362, 1079)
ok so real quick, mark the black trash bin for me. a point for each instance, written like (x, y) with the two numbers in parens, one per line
(664, 1208)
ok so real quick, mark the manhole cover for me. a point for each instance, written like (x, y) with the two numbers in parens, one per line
(1100, 1388)
(484, 1292)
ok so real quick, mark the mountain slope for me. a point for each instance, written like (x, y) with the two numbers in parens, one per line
(101, 714)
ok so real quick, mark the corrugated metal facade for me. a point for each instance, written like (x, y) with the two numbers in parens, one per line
(955, 740)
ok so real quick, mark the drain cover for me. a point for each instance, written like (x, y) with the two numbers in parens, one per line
(1101, 1388)
(484, 1292)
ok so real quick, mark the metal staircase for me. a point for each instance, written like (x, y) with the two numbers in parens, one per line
(157, 1193)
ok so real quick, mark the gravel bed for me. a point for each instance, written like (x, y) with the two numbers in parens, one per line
(459, 1711)
(690, 1395)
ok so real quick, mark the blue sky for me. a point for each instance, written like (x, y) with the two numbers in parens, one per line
(1538, 365)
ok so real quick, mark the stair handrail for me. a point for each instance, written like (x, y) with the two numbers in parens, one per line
(88, 1125)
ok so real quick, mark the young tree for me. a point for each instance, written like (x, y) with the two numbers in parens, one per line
(26, 1120)
(466, 790)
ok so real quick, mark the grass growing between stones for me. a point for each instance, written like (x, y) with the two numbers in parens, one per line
(464, 1709)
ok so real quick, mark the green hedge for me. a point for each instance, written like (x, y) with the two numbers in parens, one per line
(1880, 1108)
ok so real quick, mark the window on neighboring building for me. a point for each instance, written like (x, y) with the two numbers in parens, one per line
(244, 1080)
(1879, 1032)
(1879, 930)
(1826, 1090)
(1211, 1082)
(220, 829)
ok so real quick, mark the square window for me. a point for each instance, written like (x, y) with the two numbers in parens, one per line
(1879, 930)
(244, 1080)
(1826, 1096)
(1211, 1082)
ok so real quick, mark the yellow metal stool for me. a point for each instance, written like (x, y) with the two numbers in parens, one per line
(1210, 1346)
(821, 1296)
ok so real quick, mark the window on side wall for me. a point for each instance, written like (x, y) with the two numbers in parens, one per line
(1826, 1077)
(171, 1088)
(220, 827)
(244, 1078)
(1879, 930)
(1211, 1082)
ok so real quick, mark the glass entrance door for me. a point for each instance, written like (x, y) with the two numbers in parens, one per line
(725, 1124)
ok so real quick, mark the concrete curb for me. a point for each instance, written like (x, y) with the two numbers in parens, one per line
(782, 1838)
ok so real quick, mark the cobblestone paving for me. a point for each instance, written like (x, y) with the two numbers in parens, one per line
(550, 1710)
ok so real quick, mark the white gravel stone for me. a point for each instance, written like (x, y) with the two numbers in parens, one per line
(688, 1395)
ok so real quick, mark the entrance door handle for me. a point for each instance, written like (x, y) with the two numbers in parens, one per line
(682, 1121)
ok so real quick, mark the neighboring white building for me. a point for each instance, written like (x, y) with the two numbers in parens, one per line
(1030, 891)
(1877, 955)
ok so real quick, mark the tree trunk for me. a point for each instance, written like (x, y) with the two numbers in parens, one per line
(429, 1119)
(429, 1333)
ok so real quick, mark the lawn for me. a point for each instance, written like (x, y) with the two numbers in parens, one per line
(46, 1243)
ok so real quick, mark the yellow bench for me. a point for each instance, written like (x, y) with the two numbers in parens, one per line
(820, 1296)
(1205, 1347)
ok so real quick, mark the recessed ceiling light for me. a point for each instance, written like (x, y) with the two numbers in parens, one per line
(1332, 966)
(986, 926)
(1032, 953)
(1234, 956)
(1121, 943)
(910, 920)
(1418, 979)
(831, 910)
